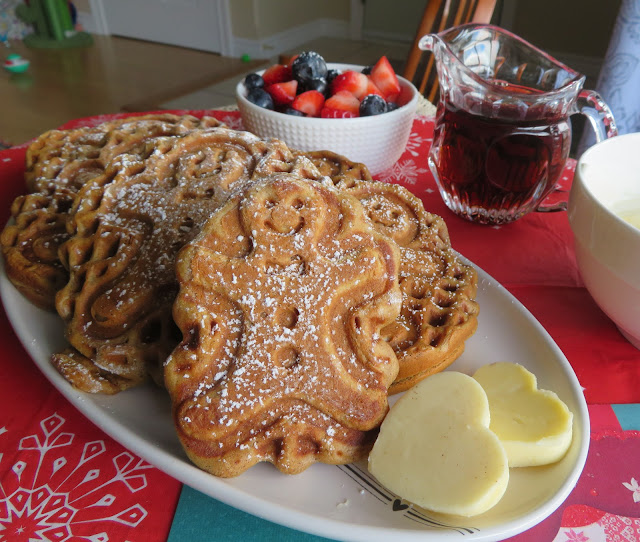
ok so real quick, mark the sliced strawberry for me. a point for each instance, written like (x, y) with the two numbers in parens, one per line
(373, 89)
(309, 102)
(283, 93)
(291, 59)
(385, 79)
(278, 73)
(354, 82)
(343, 100)
(329, 113)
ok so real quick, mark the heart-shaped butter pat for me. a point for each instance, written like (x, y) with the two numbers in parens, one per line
(534, 425)
(436, 450)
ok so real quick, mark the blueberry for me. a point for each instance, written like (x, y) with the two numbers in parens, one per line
(260, 97)
(253, 80)
(367, 70)
(392, 106)
(319, 84)
(294, 112)
(372, 104)
(308, 65)
(331, 75)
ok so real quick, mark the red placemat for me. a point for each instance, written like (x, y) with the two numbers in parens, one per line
(61, 477)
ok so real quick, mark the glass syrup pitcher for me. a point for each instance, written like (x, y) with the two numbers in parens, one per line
(502, 133)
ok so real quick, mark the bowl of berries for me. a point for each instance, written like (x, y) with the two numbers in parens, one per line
(363, 113)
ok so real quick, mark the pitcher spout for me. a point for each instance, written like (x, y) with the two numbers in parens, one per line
(427, 42)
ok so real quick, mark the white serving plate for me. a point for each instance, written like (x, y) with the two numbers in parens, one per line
(342, 502)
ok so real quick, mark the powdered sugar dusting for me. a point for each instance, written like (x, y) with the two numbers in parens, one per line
(295, 334)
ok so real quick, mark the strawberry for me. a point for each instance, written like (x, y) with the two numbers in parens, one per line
(283, 93)
(277, 73)
(354, 82)
(329, 113)
(343, 100)
(385, 79)
(373, 89)
(287, 61)
(309, 102)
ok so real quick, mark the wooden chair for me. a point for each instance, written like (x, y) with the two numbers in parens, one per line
(438, 16)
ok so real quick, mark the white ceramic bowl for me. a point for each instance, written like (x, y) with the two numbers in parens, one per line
(607, 182)
(377, 141)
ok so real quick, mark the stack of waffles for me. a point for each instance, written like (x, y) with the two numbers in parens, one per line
(279, 296)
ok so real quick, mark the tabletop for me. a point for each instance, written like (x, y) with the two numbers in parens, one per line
(63, 478)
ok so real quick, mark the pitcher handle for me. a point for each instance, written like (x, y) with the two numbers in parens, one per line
(591, 105)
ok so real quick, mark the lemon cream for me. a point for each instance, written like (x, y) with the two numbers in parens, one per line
(436, 450)
(632, 217)
(628, 210)
(534, 425)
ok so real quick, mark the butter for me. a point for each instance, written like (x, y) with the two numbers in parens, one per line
(534, 425)
(435, 448)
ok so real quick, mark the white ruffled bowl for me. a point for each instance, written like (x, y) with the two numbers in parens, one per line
(376, 141)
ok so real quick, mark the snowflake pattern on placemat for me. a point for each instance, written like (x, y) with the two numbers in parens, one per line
(405, 172)
(59, 490)
(586, 524)
(412, 165)
(233, 121)
(418, 145)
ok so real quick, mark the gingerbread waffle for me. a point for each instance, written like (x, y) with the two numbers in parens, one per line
(128, 226)
(51, 152)
(343, 172)
(439, 312)
(58, 164)
(282, 298)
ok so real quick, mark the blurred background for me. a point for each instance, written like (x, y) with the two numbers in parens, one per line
(139, 55)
